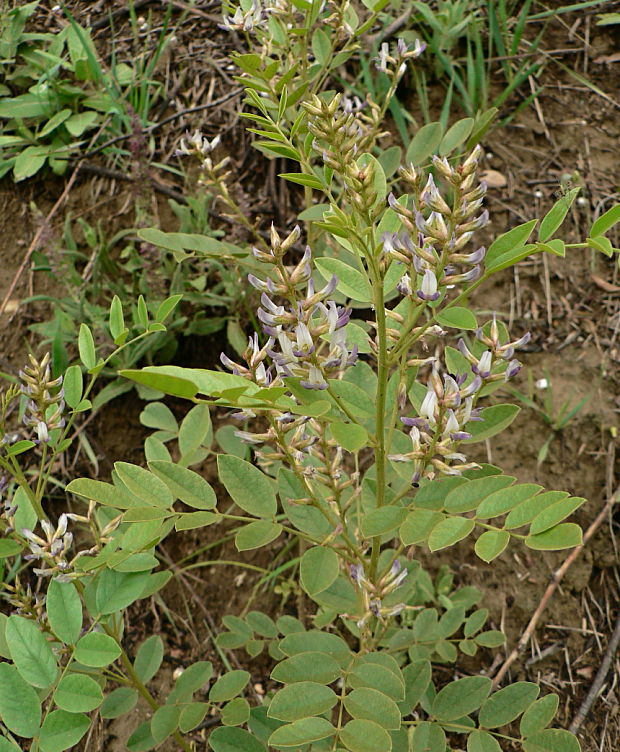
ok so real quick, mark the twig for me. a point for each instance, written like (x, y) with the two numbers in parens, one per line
(37, 237)
(556, 578)
(165, 121)
(392, 28)
(589, 699)
(106, 172)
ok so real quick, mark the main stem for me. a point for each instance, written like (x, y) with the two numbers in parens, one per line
(382, 381)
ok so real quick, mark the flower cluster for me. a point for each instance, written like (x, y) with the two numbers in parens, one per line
(51, 550)
(396, 63)
(244, 19)
(306, 337)
(432, 248)
(449, 405)
(342, 133)
(44, 410)
(373, 595)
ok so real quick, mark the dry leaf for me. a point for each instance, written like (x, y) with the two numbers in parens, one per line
(604, 284)
(614, 58)
(494, 179)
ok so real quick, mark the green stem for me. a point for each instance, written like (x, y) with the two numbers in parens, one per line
(382, 382)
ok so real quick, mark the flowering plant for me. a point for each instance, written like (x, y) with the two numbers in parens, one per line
(360, 429)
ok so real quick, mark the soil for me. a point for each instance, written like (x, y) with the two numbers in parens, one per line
(571, 306)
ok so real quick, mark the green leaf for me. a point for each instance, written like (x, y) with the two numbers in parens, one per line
(461, 697)
(192, 679)
(163, 382)
(321, 47)
(185, 484)
(566, 535)
(555, 216)
(148, 658)
(508, 241)
(605, 222)
(9, 547)
(249, 488)
(301, 732)
(235, 712)
(191, 715)
(349, 436)
(20, 707)
(351, 282)
(141, 739)
(97, 650)
(601, 244)
(475, 622)
(116, 320)
(193, 520)
(371, 671)
(527, 510)
(360, 735)
(103, 493)
(77, 693)
(80, 122)
(145, 514)
(491, 544)
(117, 590)
(382, 520)
(31, 652)
(493, 638)
(551, 740)
(432, 495)
(62, 730)
(301, 700)
(166, 307)
(119, 702)
(424, 143)
(302, 179)
(449, 531)
(318, 568)
(145, 485)
(539, 715)
(311, 666)
(29, 162)
(233, 739)
(508, 703)
(418, 525)
(262, 624)
(86, 347)
(314, 640)
(457, 318)
(456, 135)
(25, 106)
(482, 741)
(494, 420)
(372, 705)
(502, 501)
(256, 534)
(429, 737)
(355, 397)
(195, 430)
(554, 514)
(164, 722)
(159, 416)
(229, 685)
(73, 385)
(7, 746)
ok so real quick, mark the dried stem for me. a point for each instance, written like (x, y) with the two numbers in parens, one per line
(556, 578)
